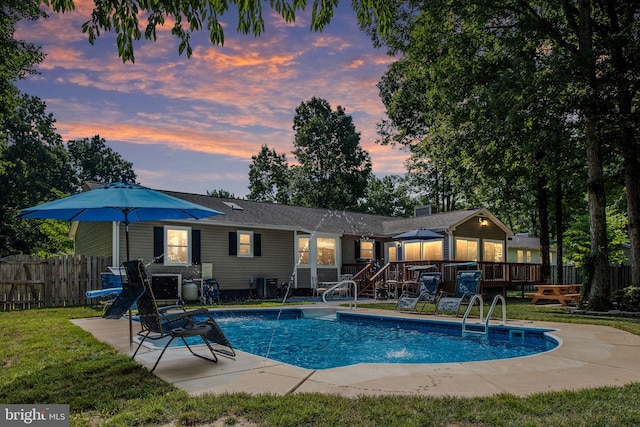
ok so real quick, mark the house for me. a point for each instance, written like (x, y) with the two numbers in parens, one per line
(256, 243)
(524, 248)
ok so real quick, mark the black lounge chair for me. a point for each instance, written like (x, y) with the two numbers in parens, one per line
(124, 301)
(158, 323)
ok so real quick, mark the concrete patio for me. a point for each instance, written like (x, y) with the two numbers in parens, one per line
(590, 356)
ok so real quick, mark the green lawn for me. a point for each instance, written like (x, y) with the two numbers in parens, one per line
(46, 359)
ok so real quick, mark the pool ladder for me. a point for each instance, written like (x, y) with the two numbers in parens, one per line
(485, 330)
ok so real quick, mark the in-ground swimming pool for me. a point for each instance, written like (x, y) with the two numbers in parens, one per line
(352, 338)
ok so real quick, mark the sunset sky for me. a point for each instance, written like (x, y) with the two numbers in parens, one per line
(192, 125)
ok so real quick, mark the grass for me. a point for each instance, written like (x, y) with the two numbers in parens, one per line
(46, 359)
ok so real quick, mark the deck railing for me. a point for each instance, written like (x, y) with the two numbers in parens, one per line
(496, 276)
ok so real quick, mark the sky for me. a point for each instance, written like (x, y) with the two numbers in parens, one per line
(192, 124)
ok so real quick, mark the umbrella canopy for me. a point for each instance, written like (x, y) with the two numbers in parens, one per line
(120, 201)
(418, 234)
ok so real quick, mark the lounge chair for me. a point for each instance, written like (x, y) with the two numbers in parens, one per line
(125, 300)
(174, 321)
(428, 292)
(467, 285)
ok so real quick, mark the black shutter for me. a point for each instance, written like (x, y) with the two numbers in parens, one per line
(233, 243)
(356, 249)
(378, 250)
(257, 244)
(158, 244)
(196, 257)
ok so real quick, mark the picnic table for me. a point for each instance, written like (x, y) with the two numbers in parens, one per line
(559, 293)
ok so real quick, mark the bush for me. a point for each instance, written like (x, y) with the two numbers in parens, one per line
(627, 299)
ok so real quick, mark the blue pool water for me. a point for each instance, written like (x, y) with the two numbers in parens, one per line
(359, 338)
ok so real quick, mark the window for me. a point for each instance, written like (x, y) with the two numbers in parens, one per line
(432, 250)
(367, 249)
(326, 251)
(245, 243)
(466, 250)
(411, 251)
(303, 250)
(523, 256)
(393, 253)
(493, 251)
(177, 245)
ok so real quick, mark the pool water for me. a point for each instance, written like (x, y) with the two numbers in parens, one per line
(350, 339)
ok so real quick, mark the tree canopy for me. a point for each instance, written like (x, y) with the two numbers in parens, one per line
(92, 160)
(513, 93)
(123, 17)
(333, 170)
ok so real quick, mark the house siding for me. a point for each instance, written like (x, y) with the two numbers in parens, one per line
(100, 242)
(471, 229)
(232, 272)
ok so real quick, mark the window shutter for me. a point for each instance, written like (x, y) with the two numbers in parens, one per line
(158, 244)
(257, 244)
(196, 257)
(233, 243)
(378, 250)
(356, 249)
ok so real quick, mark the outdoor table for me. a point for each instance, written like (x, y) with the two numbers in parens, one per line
(559, 293)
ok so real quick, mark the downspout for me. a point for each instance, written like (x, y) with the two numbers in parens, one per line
(115, 243)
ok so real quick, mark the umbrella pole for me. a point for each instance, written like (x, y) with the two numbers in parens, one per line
(126, 236)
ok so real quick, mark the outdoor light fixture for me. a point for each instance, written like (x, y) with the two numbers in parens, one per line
(483, 221)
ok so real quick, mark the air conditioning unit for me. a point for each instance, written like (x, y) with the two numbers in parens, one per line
(166, 286)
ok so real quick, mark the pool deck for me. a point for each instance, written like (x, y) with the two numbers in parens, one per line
(590, 356)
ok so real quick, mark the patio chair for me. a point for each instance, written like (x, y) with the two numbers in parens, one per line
(467, 285)
(160, 323)
(428, 292)
(125, 300)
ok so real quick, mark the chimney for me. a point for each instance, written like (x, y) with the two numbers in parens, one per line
(425, 210)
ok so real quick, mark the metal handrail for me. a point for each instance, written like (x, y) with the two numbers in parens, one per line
(340, 284)
(475, 297)
(493, 306)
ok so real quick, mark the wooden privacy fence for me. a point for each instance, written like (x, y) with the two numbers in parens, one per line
(28, 281)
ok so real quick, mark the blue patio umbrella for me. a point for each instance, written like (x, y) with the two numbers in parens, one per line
(120, 201)
(418, 234)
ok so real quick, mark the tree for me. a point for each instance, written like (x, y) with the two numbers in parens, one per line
(223, 194)
(17, 57)
(586, 50)
(37, 170)
(92, 160)
(333, 170)
(269, 177)
(388, 196)
(190, 16)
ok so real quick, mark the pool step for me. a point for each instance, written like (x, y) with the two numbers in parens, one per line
(327, 317)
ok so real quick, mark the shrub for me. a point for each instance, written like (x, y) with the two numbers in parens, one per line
(627, 299)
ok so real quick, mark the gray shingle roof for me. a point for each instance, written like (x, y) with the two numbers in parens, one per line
(249, 213)
(271, 215)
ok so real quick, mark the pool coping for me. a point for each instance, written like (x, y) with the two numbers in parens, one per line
(589, 356)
